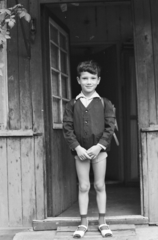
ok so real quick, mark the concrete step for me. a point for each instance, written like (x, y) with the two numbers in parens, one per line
(120, 232)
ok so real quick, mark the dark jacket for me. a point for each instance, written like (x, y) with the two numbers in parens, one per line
(88, 126)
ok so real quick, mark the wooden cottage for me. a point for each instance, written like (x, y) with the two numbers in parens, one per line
(37, 173)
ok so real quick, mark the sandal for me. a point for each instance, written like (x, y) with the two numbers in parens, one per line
(105, 230)
(80, 232)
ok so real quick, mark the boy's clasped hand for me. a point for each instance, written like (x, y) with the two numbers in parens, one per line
(91, 153)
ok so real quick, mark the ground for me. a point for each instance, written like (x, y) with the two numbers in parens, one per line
(142, 233)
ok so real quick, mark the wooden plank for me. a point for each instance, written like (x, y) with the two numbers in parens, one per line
(154, 15)
(3, 80)
(144, 176)
(57, 174)
(16, 133)
(40, 178)
(152, 128)
(152, 145)
(113, 22)
(119, 232)
(13, 78)
(3, 184)
(24, 74)
(47, 101)
(63, 173)
(77, 1)
(38, 121)
(116, 227)
(150, 63)
(28, 181)
(96, 233)
(14, 182)
(99, 237)
(53, 223)
(36, 71)
(140, 56)
(126, 28)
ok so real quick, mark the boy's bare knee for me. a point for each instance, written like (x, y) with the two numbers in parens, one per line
(84, 187)
(99, 186)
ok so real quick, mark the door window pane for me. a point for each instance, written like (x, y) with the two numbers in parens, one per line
(62, 41)
(64, 105)
(55, 83)
(53, 34)
(63, 62)
(56, 111)
(54, 56)
(64, 87)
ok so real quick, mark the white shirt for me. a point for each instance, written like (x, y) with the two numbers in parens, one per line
(86, 100)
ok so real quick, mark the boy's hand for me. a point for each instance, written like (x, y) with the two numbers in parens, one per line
(94, 151)
(82, 153)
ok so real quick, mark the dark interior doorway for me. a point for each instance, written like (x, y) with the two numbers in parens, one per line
(106, 57)
(110, 27)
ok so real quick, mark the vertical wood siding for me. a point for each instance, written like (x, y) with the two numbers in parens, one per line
(146, 51)
(19, 84)
(22, 196)
(21, 172)
(144, 54)
(150, 176)
(154, 20)
(36, 80)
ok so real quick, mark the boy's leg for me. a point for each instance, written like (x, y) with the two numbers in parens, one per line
(99, 169)
(82, 169)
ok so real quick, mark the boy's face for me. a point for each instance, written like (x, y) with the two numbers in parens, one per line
(88, 82)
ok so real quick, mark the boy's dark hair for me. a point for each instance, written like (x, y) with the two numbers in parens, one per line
(88, 66)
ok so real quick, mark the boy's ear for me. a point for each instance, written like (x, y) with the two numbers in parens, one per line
(99, 80)
(78, 80)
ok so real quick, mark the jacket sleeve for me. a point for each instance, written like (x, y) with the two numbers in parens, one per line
(68, 126)
(109, 123)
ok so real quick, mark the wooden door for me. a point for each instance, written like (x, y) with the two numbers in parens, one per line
(61, 176)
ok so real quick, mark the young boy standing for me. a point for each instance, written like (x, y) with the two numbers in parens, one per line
(88, 127)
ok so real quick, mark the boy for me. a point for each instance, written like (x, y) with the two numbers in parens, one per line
(88, 126)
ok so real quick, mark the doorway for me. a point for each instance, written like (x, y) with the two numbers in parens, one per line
(93, 34)
(106, 56)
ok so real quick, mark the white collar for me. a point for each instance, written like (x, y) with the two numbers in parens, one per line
(94, 95)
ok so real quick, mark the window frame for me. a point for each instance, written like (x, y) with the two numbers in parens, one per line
(59, 97)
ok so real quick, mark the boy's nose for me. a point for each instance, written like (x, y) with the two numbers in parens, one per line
(89, 80)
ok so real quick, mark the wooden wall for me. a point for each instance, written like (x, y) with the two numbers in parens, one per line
(146, 52)
(22, 158)
(22, 196)
(3, 77)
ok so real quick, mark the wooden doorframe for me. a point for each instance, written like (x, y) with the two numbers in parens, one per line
(119, 79)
